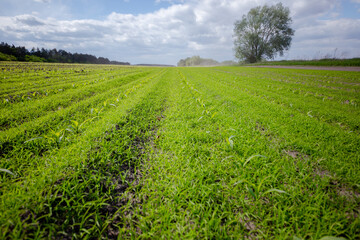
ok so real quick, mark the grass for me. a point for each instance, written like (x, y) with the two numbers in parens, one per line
(217, 153)
(352, 62)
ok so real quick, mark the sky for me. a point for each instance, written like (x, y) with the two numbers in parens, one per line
(165, 31)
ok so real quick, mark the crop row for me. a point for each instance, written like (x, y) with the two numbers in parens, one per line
(216, 153)
(328, 109)
(48, 131)
(288, 79)
(325, 135)
(30, 110)
(230, 164)
(15, 90)
(64, 165)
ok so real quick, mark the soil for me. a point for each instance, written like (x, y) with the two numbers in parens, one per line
(353, 69)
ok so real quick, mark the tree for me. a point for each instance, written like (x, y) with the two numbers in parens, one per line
(263, 33)
(12, 53)
(182, 63)
(197, 61)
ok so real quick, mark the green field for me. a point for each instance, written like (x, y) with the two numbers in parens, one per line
(352, 62)
(101, 151)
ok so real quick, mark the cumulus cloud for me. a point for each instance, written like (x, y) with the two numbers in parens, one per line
(29, 20)
(185, 28)
(313, 9)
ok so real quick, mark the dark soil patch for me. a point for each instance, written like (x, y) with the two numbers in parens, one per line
(296, 155)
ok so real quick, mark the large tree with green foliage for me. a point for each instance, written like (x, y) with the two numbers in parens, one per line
(262, 33)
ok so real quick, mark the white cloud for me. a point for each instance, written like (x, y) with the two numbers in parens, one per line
(323, 37)
(186, 28)
(29, 20)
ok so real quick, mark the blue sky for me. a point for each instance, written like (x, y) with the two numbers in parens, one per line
(350, 9)
(82, 9)
(100, 9)
(164, 31)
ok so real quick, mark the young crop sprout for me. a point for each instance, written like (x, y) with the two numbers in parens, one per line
(55, 137)
(6, 171)
(118, 97)
(213, 115)
(249, 159)
(230, 141)
(96, 111)
(123, 177)
(255, 190)
(76, 127)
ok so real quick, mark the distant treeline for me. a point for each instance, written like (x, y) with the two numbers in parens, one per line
(12, 53)
(198, 61)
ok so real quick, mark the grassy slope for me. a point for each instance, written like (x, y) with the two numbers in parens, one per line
(222, 152)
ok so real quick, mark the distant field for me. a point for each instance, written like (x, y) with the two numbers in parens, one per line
(97, 151)
(354, 62)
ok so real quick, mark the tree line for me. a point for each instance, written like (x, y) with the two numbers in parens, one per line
(198, 61)
(12, 53)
